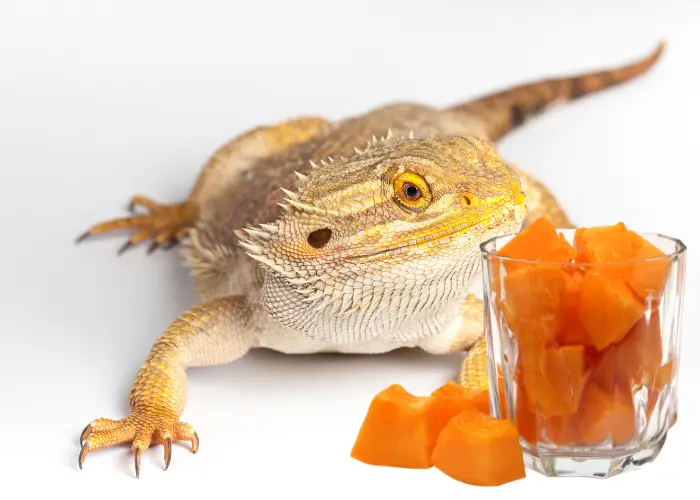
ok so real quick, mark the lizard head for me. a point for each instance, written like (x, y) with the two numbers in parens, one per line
(383, 244)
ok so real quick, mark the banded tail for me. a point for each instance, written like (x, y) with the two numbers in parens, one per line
(505, 111)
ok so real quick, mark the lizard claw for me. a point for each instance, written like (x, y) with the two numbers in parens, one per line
(165, 224)
(168, 452)
(84, 434)
(137, 461)
(142, 431)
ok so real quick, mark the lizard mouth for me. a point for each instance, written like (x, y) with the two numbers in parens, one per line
(443, 238)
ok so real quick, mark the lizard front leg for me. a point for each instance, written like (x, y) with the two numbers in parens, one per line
(215, 332)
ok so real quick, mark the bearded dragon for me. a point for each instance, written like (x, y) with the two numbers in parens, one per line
(351, 236)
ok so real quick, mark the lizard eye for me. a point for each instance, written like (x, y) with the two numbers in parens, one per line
(319, 238)
(412, 190)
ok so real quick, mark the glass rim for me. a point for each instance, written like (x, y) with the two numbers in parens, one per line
(681, 248)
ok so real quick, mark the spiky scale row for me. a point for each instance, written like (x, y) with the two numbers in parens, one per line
(311, 209)
(254, 238)
(291, 195)
(293, 199)
(271, 264)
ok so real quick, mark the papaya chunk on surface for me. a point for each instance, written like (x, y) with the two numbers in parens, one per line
(554, 379)
(606, 416)
(479, 450)
(533, 302)
(537, 242)
(454, 398)
(608, 309)
(399, 430)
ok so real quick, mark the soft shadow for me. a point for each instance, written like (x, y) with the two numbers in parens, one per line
(260, 369)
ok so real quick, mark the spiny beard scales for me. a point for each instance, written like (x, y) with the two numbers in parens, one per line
(368, 305)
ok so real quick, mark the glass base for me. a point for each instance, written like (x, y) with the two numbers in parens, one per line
(600, 465)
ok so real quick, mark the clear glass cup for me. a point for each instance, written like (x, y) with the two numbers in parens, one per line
(588, 355)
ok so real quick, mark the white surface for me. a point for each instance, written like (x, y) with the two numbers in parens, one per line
(102, 100)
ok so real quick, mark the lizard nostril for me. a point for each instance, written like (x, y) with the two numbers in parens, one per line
(469, 199)
(320, 237)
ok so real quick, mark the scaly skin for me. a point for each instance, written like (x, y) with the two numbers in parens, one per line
(369, 245)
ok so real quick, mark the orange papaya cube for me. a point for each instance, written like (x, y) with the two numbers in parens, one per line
(572, 331)
(454, 398)
(537, 242)
(646, 278)
(533, 298)
(399, 430)
(479, 450)
(562, 431)
(608, 309)
(526, 420)
(605, 416)
(593, 356)
(609, 244)
(605, 371)
(640, 352)
(665, 375)
(554, 379)
(602, 243)
(502, 396)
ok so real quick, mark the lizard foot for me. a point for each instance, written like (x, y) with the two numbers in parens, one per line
(142, 431)
(165, 224)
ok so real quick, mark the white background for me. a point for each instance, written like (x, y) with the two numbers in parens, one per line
(100, 100)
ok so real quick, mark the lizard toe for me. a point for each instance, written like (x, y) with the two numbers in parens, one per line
(142, 431)
(165, 225)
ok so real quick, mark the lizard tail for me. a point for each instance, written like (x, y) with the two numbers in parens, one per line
(505, 111)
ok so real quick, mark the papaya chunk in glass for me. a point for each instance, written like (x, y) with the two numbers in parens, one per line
(606, 417)
(608, 308)
(537, 242)
(526, 420)
(640, 353)
(554, 379)
(533, 302)
(563, 430)
(617, 244)
(602, 244)
(572, 331)
(648, 276)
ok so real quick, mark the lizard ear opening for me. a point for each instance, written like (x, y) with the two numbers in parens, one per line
(320, 237)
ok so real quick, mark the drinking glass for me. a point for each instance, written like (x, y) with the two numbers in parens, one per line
(588, 355)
